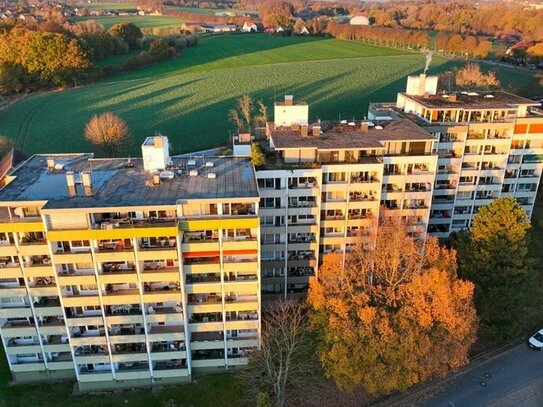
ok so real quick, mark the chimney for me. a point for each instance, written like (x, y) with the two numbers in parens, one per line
(70, 182)
(157, 141)
(156, 179)
(422, 84)
(70, 179)
(50, 164)
(452, 97)
(364, 127)
(86, 179)
(304, 128)
(316, 131)
(289, 100)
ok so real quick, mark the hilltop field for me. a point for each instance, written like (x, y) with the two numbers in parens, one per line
(188, 98)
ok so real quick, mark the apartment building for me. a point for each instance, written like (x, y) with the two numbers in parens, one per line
(489, 144)
(133, 272)
(323, 186)
(433, 159)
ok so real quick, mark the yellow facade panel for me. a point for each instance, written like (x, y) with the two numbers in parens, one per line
(219, 223)
(82, 257)
(241, 266)
(81, 301)
(34, 249)
(104, 257)
(121, 299)
(241, 306)
(120, 233)
(43, 291)
(230, 325)
(118, 278)
(8, 250)
(203, 288)
(206, 326)
(22, 227)
(11, 272)
(240, 245)
(39, 271)
(158, 254)
(162, 296)
(156, 276)
(211, 246)
(76, 280)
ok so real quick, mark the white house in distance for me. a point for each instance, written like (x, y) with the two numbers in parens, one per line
(360, 20)
(251, 26)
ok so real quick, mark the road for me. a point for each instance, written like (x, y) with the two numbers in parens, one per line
(514, 378)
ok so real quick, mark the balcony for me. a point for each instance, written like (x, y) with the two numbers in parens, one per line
(167, 333)
(130, 223)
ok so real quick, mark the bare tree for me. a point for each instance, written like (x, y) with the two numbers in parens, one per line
(244, 117)
(109, 132)
(285, 365)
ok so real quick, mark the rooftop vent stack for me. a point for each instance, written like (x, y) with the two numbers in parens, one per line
(304, 129)
(426, 95)
(289, 100)
(156, 179)
(70, 179)
(364, 127)
(87, 182)
(50, 164)
(452, 97)
(422, 84)
(316, 131)
(70, 182)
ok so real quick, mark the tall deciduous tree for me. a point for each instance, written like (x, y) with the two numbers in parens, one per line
(284, 365)
(245, 116)
(128, 32)
(471, 76)
(494, 255)
(109, 132)
(394, 315)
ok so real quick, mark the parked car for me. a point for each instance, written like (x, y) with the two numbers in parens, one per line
(536, 340)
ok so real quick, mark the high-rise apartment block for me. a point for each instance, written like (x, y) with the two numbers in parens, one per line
(131, 272)
(431, 158)
(128, 272)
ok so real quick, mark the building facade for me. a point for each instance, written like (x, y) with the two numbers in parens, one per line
(109, 277)
(121, 272)
(433, 159)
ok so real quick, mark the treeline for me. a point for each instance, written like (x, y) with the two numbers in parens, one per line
(41, 56)
(495, 19)
(468, 46)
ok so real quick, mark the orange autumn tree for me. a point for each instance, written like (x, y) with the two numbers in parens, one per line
(394, 316)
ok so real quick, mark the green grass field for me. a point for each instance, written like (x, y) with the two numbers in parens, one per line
(188, 98)
(141, 21)
(107, 6)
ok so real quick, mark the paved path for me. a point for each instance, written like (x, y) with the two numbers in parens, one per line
(514, 378)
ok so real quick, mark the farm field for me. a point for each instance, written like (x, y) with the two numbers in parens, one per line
(141, 21)
(188, 98)
(107, 6)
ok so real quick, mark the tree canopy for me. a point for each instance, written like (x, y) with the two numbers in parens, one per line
(394, 315)
(128, 32)
(109, 132)
(493, 254)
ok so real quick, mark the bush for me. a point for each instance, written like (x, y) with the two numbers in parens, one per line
(159, 50)
(132, 64)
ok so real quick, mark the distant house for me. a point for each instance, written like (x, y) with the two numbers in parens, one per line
(251, 26)
(193, 26)
(221, 27)
(359, 20)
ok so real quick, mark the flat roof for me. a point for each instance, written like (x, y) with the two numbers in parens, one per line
(472, 100)
(337, 136)
(121, 182)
